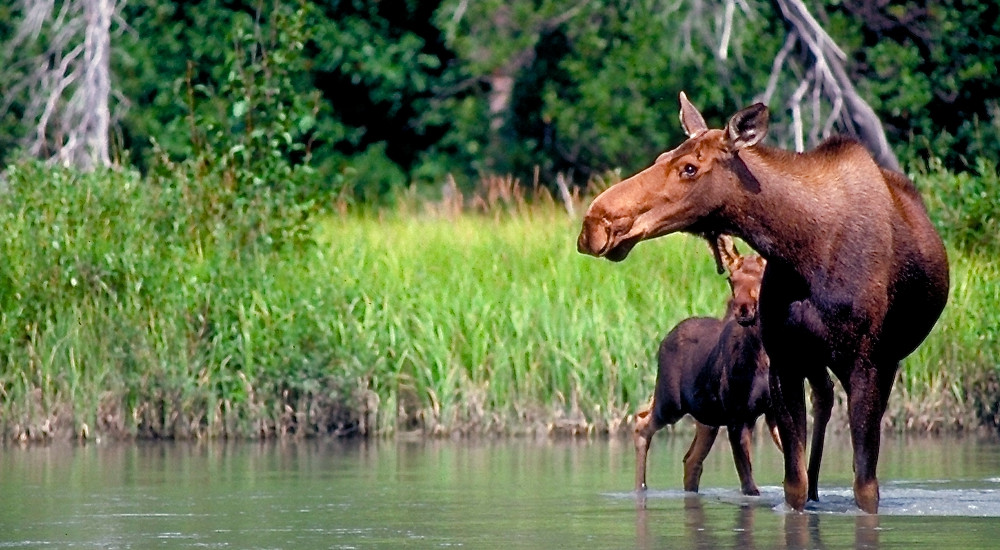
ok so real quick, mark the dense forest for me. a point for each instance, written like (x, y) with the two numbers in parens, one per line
(381, 95)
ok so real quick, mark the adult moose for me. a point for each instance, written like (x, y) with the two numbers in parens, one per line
(856, 275)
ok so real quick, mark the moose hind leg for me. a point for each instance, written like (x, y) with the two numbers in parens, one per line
(739, 440)
(822, 398)
(704, 437)
(645, 426)
(867, 396)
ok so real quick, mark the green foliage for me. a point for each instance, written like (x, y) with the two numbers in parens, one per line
(964, 205)
(930, 71)
(256, 121)
(159, 309)
(616, 106)
(404, 89)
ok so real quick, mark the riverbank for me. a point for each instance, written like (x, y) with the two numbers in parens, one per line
(426, 320)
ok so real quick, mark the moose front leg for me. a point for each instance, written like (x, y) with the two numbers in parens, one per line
(645, 427)
(788, 406)
(739, 440)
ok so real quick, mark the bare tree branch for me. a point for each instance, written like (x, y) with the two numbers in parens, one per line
(727, 30)
(779, 63)
(68, 83)
(830, 78)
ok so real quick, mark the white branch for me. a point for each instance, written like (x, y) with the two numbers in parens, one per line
(778, 65)
(727, 30)
(69, 83)
(796, 103)
(835, 84)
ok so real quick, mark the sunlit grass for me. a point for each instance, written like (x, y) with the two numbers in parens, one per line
(503, 321)
(505, 316)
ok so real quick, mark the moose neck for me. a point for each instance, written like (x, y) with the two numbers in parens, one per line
(792, 207)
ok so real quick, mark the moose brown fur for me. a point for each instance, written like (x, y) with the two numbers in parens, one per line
(716, 370)
(856, 275)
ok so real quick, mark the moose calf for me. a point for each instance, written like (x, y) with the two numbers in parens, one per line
(717, 371)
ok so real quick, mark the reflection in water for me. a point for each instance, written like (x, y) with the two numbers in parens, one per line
(801, 529)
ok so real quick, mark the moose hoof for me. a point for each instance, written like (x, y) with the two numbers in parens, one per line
(866, 496)
(795, 497)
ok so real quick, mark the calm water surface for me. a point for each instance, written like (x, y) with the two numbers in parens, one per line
(936, 493)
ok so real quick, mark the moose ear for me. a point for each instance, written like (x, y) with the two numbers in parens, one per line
(726, 254)
(691, 119)
(747, 127)
(729, 251)
(713, 245)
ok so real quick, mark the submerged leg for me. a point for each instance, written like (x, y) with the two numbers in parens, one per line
(739, 440)
(788, 407)
(704, 437)
(822, 397)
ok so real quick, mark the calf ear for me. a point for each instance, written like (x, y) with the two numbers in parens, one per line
(727, 252)
(747, 127)
(691, 120)
(713, 244)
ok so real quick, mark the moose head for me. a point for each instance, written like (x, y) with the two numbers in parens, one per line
(684, 190)
(745, 275)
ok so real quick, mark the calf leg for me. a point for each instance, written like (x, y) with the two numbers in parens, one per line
(739, 440)
(645, 427)
(788, 407)
(822, 397)
(704, 437)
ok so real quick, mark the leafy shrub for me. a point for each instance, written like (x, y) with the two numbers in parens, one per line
(963, 205)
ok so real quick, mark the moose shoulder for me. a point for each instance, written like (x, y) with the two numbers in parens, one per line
(856, 274)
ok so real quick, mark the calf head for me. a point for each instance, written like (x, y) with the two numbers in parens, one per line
(681, 191)
(745, 275)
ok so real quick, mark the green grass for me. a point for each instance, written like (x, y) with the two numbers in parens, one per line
(476, 320)
(173, 309)
(504, 316)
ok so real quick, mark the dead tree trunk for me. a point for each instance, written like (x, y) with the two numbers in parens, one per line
(826, 77)
(67, 85)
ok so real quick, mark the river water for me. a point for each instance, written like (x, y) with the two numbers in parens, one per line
(937, 493)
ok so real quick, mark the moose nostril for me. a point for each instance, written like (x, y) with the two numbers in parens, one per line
(594, 237)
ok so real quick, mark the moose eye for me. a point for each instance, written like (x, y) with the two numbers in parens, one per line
(689, 170)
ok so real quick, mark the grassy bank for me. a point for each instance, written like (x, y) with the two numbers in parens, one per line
(500, 323)
(171, 310)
